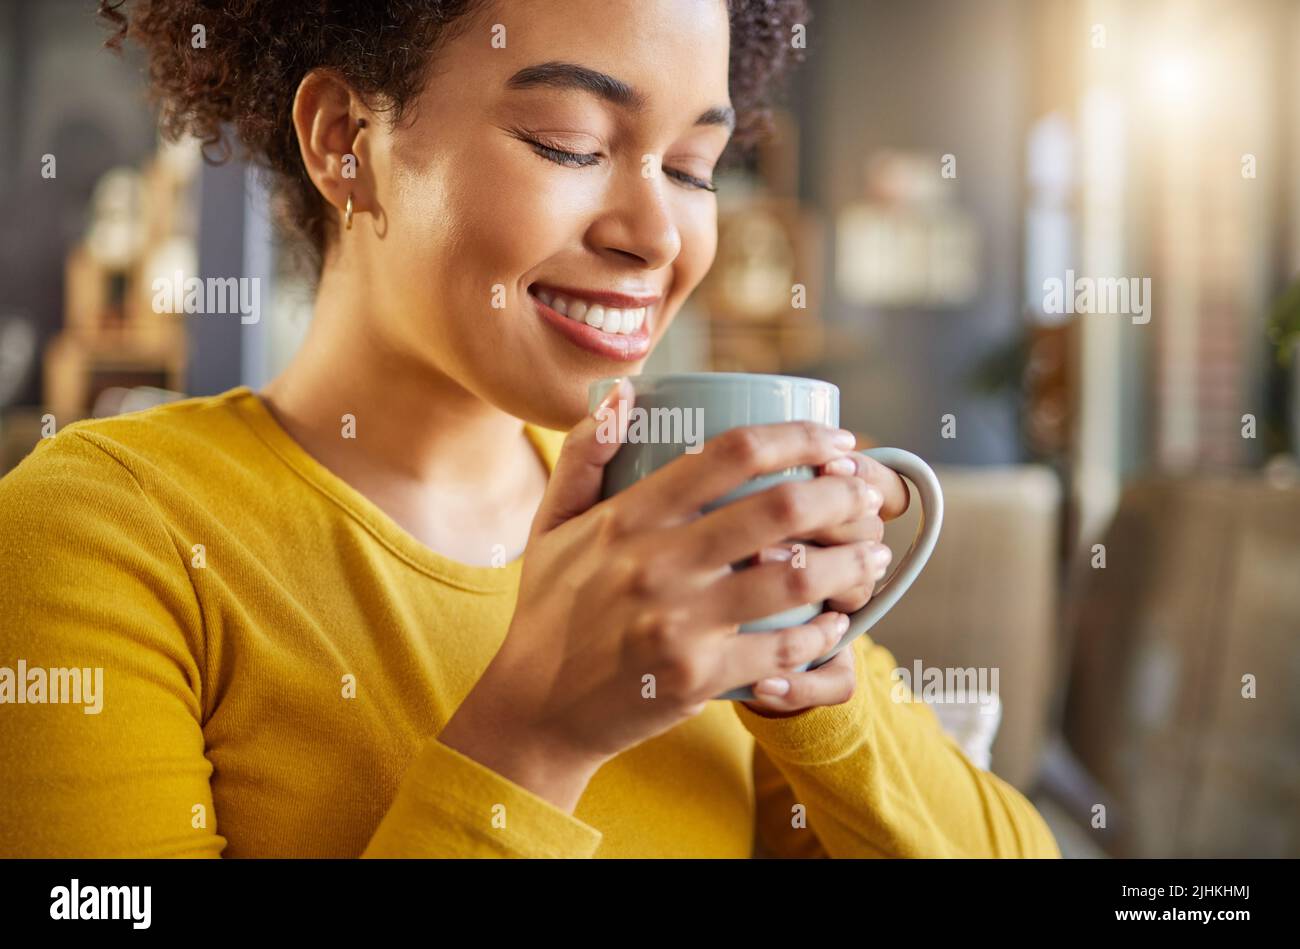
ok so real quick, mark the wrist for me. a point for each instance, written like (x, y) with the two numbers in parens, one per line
(518, 753)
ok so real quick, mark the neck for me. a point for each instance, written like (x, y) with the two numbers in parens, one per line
(413, 423)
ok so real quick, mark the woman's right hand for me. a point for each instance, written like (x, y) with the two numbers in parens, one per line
(627, 617)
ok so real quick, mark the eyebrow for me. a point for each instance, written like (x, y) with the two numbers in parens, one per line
(584, 79)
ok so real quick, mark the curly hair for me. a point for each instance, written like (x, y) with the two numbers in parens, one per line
(246, 84)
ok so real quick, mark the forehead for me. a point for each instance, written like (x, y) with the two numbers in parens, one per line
(671, 51)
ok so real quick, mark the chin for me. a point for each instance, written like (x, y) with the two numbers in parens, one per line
(560, 402)
(562, 405)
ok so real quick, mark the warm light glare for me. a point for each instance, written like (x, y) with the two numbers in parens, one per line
(1175, 78)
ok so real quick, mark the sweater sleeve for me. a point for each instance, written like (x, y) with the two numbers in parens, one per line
(449, 805)
(880, 778)
(94, 578)
(93, 582)
(781, 826)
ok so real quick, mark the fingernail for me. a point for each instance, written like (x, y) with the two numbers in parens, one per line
(880, 557)
(842, 624)
(842, 466)
(772, 687)
(610, 398)
(874, 498)
(844, 440)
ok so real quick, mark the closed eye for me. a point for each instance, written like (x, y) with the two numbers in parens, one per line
(691, 180)
(587, 159)
(561, 157)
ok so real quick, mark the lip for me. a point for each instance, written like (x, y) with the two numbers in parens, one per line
(616, 346)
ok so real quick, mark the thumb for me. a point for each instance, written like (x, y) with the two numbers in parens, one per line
(575, 483)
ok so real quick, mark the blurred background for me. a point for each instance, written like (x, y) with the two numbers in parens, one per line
(1053, 246)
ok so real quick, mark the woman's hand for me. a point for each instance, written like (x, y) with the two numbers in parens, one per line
(628, 609)
(833, 682)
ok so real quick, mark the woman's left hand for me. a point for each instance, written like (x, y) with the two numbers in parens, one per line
(832, 683)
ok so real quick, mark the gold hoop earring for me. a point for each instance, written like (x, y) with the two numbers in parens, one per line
(347, 214)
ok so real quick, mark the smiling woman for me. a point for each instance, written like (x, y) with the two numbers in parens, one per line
(319, 634)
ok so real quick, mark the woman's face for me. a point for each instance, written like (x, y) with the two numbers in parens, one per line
(477, 210)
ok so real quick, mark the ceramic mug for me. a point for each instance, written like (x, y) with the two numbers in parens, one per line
(675, 413)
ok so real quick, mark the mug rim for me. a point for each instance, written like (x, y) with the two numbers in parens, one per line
(715, 377)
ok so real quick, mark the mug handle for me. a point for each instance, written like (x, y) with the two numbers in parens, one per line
(907, 570)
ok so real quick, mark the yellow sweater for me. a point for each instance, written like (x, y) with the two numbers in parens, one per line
(278, 657)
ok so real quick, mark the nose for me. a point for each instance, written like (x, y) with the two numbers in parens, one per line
(637, 223)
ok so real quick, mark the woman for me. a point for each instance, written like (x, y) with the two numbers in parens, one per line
(317, 633)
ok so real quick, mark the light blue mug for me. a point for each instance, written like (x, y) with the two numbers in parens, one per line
(675, 413)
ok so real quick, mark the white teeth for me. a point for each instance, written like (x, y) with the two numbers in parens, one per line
(608, 319)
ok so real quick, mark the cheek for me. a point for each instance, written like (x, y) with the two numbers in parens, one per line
(462, 224)
(699, 234)
(501, 209)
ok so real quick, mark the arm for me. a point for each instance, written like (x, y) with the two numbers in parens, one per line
(879, 778)
(94, 577)
(780, 831)
(92, 581)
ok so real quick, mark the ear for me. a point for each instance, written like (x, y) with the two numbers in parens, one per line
(332, 125)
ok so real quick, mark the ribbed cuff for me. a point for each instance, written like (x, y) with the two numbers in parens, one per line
(822, 734)
(447, 807)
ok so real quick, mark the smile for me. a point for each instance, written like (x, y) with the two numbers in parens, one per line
(613, 325)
